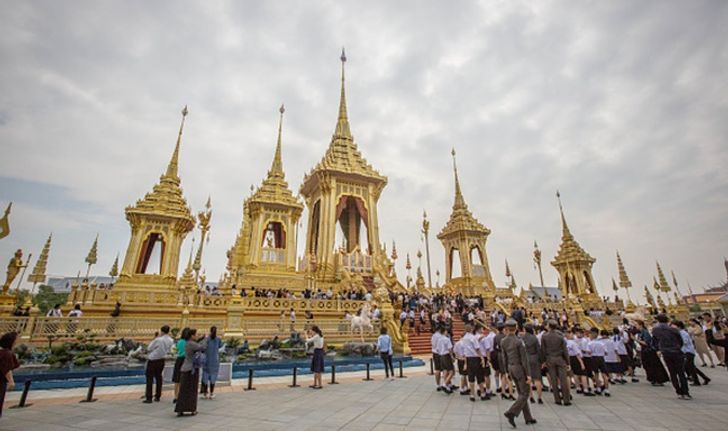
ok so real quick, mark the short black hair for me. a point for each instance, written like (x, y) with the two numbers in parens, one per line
(662, 318)
(8, 339)
(164, 329)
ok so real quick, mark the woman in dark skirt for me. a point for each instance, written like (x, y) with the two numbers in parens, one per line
(179, 360)
(654, 369)
(315, 338)
(189, 376)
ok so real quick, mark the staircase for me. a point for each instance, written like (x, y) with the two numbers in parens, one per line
(420, 344)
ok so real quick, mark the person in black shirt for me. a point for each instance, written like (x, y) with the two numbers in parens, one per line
(667, 340)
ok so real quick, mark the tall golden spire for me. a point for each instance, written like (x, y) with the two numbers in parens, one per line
(276, 168)
(459, 200)
(39, 270)
(173, 166)
(565, 232)
(342, 124)
(624, 281)
(664, 286)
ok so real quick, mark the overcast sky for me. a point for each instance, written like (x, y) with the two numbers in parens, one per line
(622, 106)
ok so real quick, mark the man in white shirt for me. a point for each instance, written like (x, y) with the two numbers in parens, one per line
(444, 354)
(459, 351)
(435, 355)
(486, 348)
(157, 352)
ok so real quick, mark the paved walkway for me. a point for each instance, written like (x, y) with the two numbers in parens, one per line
(406, 404)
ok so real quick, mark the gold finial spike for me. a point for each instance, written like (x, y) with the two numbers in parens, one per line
(342, 124)
(508, 269)
(208, 205)
(173, 166)
(459, 200)
(276, 168)
(565, 232)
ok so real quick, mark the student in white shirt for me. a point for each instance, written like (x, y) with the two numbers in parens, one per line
(611, 358)
(599, 368)
(444, 354)
(55, 311)
(583, 342)
(459, 351)
(435, 356)
(486, 348)
(474, 360)
(576, 363)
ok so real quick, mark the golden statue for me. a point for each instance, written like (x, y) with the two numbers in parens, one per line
(14, 267)
(4, 223)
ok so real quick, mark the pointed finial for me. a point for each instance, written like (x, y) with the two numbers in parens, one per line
(565, 232)
(173, 167)
(342, 124)
(459, 200)
(508, 269)
(276, 168)
(208, 205)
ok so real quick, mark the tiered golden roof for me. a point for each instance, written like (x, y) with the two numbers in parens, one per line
(663, 285)
(624, 281)
(570, 251)
(343, 155)
(461, 219)
(274, 189)
(166, 199)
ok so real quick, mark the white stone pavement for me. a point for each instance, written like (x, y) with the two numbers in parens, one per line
(406, 404)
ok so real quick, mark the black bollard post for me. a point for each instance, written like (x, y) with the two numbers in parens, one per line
(250, 381)
(90, 394)
(23, 397)
(401, 372)
(432, 368)
(333, 375)
(294, 385)
(368, 376)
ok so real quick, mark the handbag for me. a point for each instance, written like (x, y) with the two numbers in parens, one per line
(199, 359)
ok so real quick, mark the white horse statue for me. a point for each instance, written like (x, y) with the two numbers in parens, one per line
(362, 321)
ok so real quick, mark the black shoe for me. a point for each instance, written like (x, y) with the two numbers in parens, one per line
(531, 422)
(635, 380)
(156, 400)
(511, 419)
(558, 403)
(696, 384)
(540, 401)
(439, 388)
(687, 397)
(174, 401)
(588, 394)
(567, 404)
(706, 381)
(472, 399)
(147, 401)
(532, 400)
(484, 398)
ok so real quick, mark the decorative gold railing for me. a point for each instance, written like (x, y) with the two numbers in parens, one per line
(299, 305)
(335, 329)
(105, 327)
(13, 324)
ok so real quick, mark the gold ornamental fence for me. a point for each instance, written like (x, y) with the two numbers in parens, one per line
(43, 329)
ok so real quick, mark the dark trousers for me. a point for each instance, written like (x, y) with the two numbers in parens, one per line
(153, 373)
(388, 368)
(675, 362)
(691, 370)
(518, 375)
(3, 389)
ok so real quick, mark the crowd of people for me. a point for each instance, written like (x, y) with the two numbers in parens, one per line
(523, 357)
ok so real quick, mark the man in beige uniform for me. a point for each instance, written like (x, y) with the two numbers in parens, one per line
(555, 356)
(515, 360)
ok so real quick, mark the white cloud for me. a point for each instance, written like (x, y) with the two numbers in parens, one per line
(620, 105)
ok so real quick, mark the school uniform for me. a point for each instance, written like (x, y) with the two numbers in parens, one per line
(583, 343)
(435, 356)
(574, 354)
(611, 358)
(471, 349)
(444, 349)
(486, 349)
(459, 350)
(624, 358)
(597, 356)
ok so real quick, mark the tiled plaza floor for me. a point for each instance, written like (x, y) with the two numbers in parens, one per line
(408, 404)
